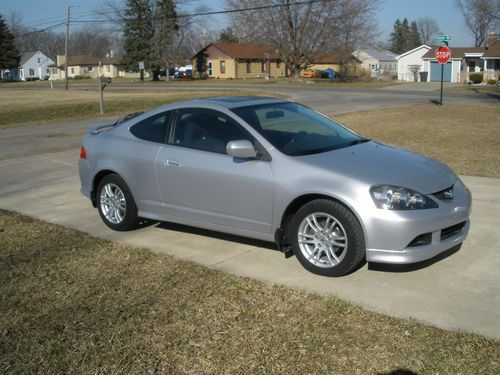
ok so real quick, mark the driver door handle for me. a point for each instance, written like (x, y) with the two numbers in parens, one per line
(171, 163)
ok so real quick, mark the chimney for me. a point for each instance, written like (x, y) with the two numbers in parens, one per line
(492, 39)
(111, 53)
(60, 60)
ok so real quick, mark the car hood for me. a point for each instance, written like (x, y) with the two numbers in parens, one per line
(378, 163)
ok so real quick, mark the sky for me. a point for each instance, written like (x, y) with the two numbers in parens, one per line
(42, 13)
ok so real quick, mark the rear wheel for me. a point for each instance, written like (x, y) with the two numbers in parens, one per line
(327, 238)
(116, 204)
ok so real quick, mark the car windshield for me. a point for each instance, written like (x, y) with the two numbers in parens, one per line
(297, 130)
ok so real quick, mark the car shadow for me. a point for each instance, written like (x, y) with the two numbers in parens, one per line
(400, 268)
(217, 235)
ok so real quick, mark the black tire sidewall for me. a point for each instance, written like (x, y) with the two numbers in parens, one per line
(356, 243)
(130, 220)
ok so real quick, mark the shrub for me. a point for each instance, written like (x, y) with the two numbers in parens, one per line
(32, 79)
(476, 77)
(492, 82)
(200, 75)
(77, 77)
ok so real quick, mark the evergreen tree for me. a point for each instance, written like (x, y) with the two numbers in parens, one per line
(414, 39)
(164, 27)
(404, 37)
(138, 33)
(9, 55)
(396, 44)
(227, 35)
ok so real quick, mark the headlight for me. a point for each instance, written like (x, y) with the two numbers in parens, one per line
(390, 197)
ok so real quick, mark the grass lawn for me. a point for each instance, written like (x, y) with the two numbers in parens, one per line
(71, 303)
(29, 106)
(464, 136)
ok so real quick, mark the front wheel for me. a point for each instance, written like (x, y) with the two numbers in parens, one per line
(116, 204)
(327, 238)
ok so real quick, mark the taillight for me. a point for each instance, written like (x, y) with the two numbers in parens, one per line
(83, 153)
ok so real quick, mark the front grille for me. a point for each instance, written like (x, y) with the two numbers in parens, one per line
(451, 231)
(422, 240)
(445, 195)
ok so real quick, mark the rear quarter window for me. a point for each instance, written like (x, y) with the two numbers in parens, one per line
(153, 128)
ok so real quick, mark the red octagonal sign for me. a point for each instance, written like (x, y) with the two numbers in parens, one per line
(443, 54)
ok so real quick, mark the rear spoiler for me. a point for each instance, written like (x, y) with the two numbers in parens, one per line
(98, 129)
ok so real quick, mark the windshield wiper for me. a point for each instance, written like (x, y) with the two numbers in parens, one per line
(330, 148)
(357, 142)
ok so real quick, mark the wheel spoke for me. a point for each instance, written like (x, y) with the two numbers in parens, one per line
(322, 240)
(332, 253)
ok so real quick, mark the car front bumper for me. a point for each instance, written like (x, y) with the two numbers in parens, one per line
(390, 235)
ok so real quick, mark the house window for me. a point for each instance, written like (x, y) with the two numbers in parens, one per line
(39, 60)
(222, 67)
(278, 62)
(54, 70)
(108, 68)
(249, 66)
(31, 72)
(263, 66)
(72, 70)
(210, 68)
(90, 68)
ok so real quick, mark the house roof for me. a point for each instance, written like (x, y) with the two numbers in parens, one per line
(243, 50)
(413, 50)
(26, 56)
(87, 60)
(383, 55)
(456, 52)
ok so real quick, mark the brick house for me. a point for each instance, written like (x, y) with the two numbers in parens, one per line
(237, 61)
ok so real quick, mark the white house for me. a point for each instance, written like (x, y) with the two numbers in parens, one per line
(34, 65)
(410, 64)
(377, 62)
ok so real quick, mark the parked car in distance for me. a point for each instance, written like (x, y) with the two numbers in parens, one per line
(277, 171)
(188, 73)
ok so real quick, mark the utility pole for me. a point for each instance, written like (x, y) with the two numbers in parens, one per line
(99, 82)
(66, 51)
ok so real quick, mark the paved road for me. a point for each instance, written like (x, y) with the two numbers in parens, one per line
(38, 177)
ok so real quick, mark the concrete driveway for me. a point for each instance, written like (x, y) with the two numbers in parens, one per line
(458, 292)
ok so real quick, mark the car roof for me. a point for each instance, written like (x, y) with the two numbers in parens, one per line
(236, 101)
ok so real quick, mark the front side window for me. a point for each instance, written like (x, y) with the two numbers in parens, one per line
(31, 72)
(207, 130)
(297, 130)
(153, 128)
(249, 66)
(223, 67)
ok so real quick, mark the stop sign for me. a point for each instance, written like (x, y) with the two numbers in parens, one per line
(443, 54)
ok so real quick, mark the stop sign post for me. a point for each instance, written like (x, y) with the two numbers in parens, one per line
(443, 54)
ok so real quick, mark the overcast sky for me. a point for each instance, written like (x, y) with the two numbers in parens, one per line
(44, 13)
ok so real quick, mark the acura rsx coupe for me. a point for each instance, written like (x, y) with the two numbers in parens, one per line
(277, 171)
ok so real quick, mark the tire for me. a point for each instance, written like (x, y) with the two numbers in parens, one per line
(327, 239)
(116, 204)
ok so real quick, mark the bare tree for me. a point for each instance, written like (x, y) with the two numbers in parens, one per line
(480, 16)
(428, 29)
(301, 32)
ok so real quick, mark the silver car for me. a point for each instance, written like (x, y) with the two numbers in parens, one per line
(277, 171)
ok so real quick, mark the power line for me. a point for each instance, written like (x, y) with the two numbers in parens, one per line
(209, 13)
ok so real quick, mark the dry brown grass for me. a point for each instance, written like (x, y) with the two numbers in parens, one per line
(28, 106)
(464, 136)
(74, 304)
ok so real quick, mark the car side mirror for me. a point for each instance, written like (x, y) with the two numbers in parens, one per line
(241, 149)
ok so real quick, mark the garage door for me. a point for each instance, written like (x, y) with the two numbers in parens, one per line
(436, 71)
